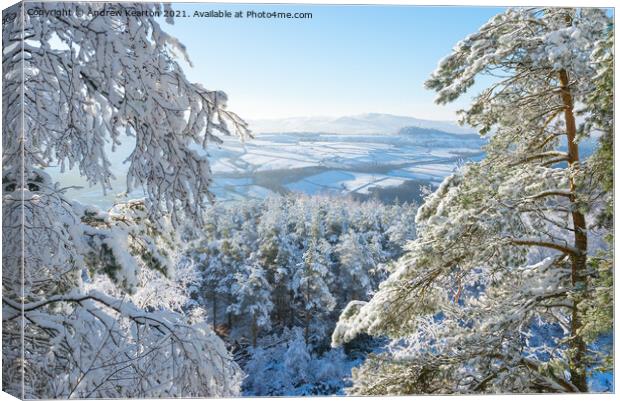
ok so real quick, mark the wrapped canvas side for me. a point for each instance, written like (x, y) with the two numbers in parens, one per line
(15, 381)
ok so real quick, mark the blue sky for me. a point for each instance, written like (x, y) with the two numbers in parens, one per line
(345, 60)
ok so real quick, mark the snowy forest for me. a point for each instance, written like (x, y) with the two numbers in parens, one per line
(495, 278)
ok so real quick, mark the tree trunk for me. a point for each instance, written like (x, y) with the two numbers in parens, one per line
(291, 309)
(578, 261)
(229, 315)
(254, 331)
(307, 326)
(307, 316)
(214, 312)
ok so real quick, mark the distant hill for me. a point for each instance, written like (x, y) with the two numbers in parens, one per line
(369, 123)
(439, 139)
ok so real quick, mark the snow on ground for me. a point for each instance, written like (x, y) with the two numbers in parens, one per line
(290, 151)
(309, 162)
(343, 181)
(433, 168)
(261, 155)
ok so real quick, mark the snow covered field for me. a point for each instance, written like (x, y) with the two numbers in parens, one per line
(339, 163)
(383, 158)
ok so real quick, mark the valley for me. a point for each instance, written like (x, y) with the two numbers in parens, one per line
(384, 160)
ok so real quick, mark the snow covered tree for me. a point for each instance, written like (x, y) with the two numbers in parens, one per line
(273, 233)
(283, 364)
(297, 357)
(216, 282)
(313, 293)
(252, 294)
(599, 114)
(495, 294)
(357, 263)
(98, 78)
(276, 264)
(279, 254)
(74, 84)
(91, 325)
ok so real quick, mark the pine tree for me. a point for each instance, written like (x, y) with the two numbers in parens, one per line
(599, 113)
(357, 262)
(312, 291)
(491, 296)
(252, 294)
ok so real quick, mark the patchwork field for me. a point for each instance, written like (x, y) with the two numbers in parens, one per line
(389, 164)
